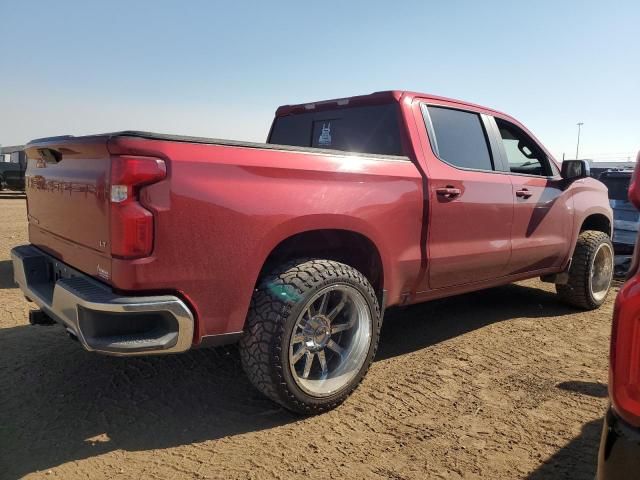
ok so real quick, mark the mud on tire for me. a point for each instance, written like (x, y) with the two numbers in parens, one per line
(277, 307)
(579, 290)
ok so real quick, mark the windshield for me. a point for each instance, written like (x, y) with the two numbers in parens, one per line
(370, 129)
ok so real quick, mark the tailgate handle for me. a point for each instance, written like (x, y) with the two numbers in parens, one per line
(50, 155)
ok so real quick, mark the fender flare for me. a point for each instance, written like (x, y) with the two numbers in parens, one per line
(310, 223)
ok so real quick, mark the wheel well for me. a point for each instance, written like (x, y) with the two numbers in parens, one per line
(344, 246)
(597, 222)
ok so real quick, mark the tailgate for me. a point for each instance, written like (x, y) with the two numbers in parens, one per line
(67, 181)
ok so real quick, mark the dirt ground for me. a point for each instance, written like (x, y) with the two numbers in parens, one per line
(499, 384)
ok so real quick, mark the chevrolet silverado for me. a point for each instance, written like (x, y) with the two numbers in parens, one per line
(144, 243)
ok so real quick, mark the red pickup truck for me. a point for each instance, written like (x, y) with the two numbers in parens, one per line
(142, 243)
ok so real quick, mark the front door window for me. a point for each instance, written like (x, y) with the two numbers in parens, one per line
(523, 154)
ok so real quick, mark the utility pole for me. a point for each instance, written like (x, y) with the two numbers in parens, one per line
(578, 144)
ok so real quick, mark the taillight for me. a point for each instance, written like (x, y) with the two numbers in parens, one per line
(624, 361)
(624, 375)
(131, 223)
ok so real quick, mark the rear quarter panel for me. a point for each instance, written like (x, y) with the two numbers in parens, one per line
(222, 210)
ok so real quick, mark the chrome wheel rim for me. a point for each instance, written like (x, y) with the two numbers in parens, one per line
(330, 340)
(601, 272)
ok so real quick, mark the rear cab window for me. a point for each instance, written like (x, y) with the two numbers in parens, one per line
(373, 129)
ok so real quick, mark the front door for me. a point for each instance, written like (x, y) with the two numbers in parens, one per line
(542, 212)
(471, 203)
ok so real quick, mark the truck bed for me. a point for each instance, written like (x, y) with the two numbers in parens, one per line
(222, 208)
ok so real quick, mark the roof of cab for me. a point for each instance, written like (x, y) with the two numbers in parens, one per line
(374, 99)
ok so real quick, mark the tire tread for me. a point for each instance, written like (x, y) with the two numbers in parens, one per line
(576, 292)
(271, 305)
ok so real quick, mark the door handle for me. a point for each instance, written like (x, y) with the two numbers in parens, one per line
(524, 193)
(448, 191)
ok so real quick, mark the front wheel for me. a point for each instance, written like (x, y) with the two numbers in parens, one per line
(312, 332)
(591, 271)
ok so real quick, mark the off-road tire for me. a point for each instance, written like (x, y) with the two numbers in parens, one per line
(275, 306)
(577, 291)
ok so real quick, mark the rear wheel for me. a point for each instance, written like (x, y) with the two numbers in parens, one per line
(591, 271)
(312, 332)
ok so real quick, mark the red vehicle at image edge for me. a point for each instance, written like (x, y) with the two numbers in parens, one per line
(619, 456)
(142, 243)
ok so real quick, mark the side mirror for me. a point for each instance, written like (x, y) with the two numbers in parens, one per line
(574, 169)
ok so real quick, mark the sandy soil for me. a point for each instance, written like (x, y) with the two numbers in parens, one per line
(504, 383)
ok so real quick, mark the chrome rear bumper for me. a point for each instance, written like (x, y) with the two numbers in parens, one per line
(102, 321)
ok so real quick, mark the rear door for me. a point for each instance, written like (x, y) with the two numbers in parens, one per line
(543, 212)
(471, 201)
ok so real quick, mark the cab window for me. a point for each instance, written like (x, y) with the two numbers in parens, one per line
(522, 152)
(458, 137)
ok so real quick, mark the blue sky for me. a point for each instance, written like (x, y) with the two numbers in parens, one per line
(220, 69)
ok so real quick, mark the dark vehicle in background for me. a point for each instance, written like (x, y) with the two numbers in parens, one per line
(13, 163)
(625, 216)
(619, 456)
(598, 168)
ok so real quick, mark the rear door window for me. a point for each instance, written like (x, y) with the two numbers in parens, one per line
(369, 129)
(460, 138)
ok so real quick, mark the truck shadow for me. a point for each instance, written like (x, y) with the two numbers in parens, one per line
(6, 274)
(576, 460)
(61, 404)
(591, 389)
(412, 328)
